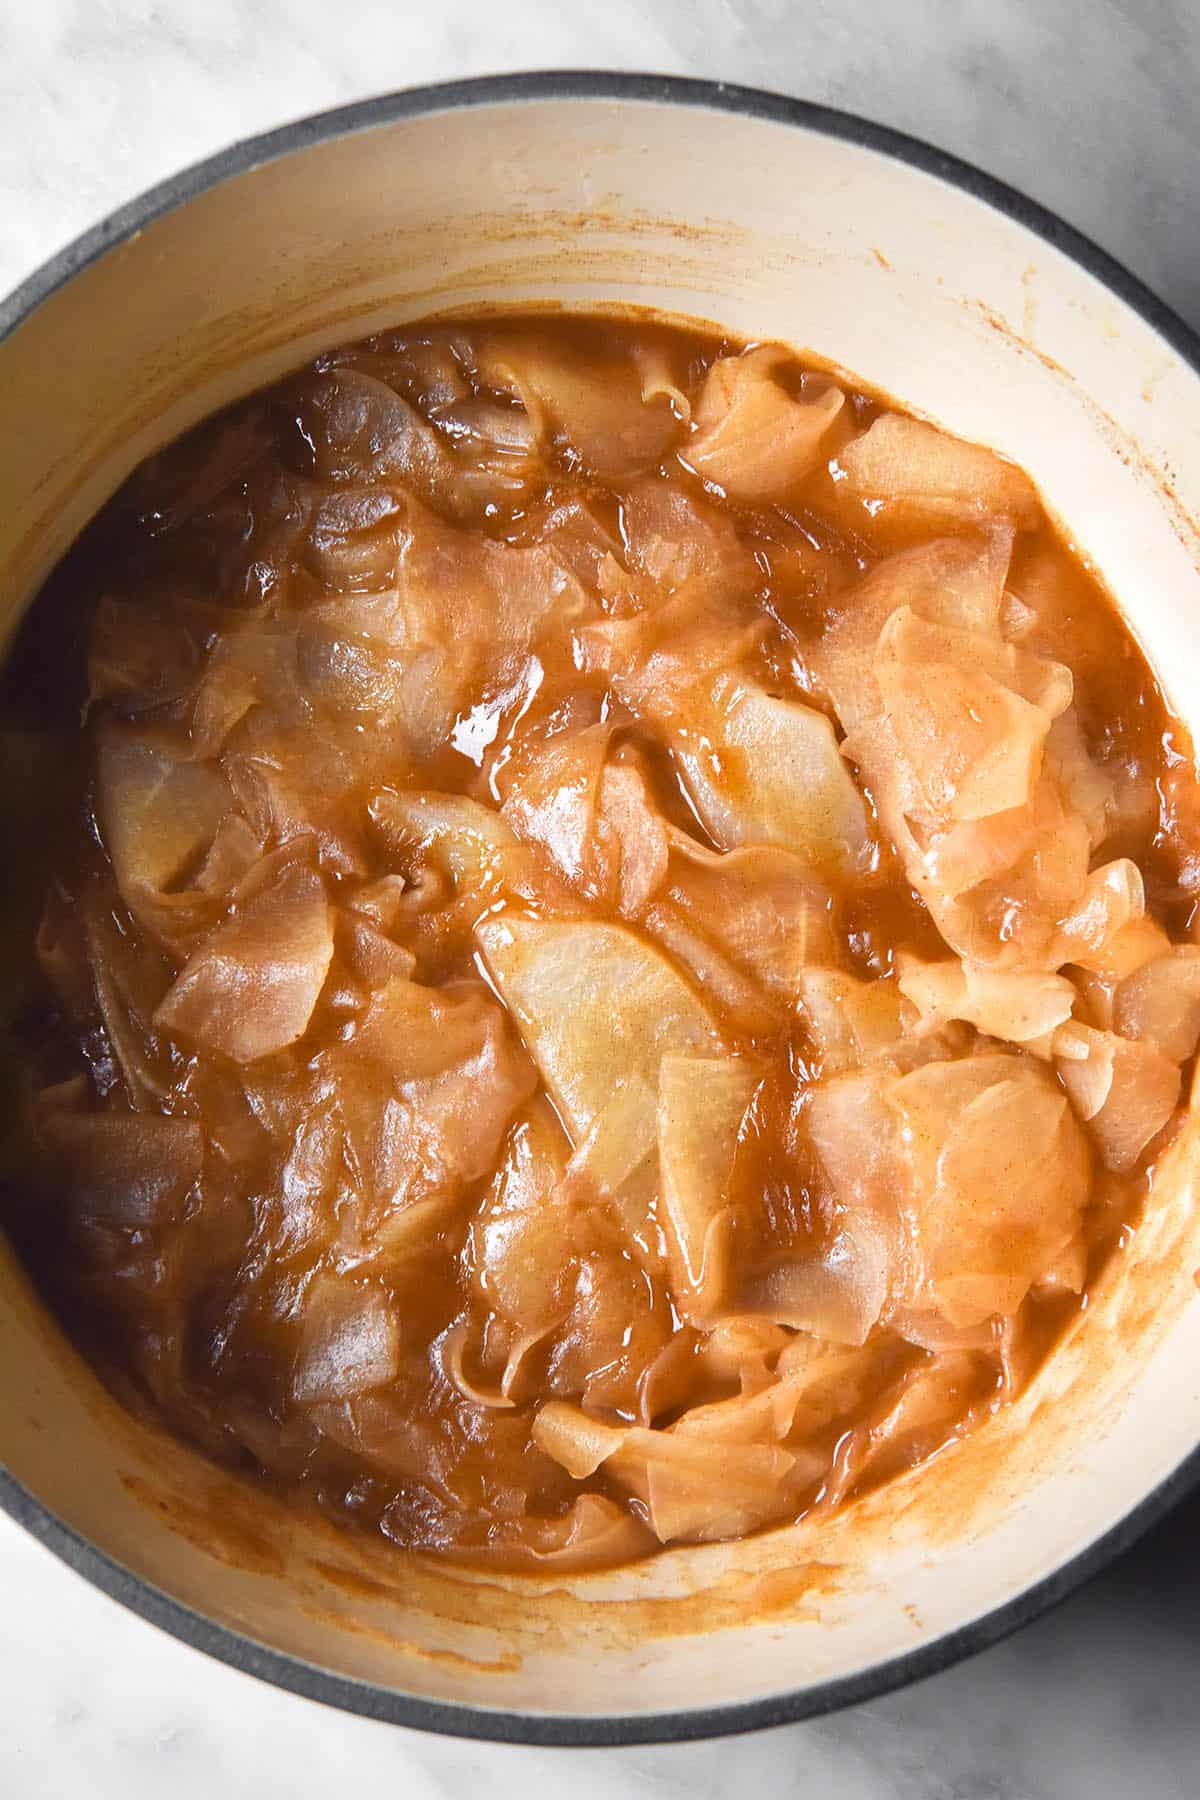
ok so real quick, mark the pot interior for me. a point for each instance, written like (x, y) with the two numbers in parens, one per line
(773, 230)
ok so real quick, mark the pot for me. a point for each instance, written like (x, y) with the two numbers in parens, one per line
(969, 304)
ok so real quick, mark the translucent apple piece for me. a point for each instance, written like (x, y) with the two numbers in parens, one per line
(360, 430)
(837, 1294)
(590, 402)
(1140, 941)
(970, 748)
(732, 994)
(672, 1473)
(554, 801)
(904, 460)
(618, 1322)
(593, 1533)
(840, 1292)
(130, 1172)
(742, 1349)
(855, 1133)
(1014, 890)
(451, 635)
(615, 1147)
(158, 812)
(560, 775)
(763, 907)
(1112, 897)
(517, 1253)
(455, 1356)
(976, 852)
(674, 538)
(349, 1341)
(131, 977)
(488, 427)
(663, 664)
(935, 1402)
(140, 656)
(580, 1444)
(181, 918)
(1125, 1091)
(251, 664)
(850, 1021)
(1000, 1177)
(595, 1004)
(1021, 1006)
(295, 782)
(464, 840)
(770, 772)
(615, 1166)
(232, 854)
(910, 637)
(371, 957)
(955, 581)
(702, 1103)
(1086, 789)
(343, 674)
(973, 745)
(427, 1087)
(662, 375)
(815, 1386)
(753, 438)
(684, 1506)
(634, 835)
(428, 368)
(1159, 1003)
(250, 989)
(354, 538)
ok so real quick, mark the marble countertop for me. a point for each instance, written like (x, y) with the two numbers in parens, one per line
(1089, 105)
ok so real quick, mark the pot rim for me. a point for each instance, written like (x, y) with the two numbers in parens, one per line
(501, 1724)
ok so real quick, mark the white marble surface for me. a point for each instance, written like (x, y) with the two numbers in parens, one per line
(1090, 106)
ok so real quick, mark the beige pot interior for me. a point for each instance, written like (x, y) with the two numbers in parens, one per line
(774, 231)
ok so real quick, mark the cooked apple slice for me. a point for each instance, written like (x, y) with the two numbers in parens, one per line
(1022, 1006)
(1000, 1176)
(158, 812)
(465, 840)
(1125, 1090)
(1159, 1002)
(702, 1102)
(596, 403)
(850, 1021)
(763, 769)
(250, 988)
(349, 1341)
(596, 1006)
(953, 581)
(672, 1472)
(754, 438)
(908, 463)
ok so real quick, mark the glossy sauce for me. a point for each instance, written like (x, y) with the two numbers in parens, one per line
(373, 1233)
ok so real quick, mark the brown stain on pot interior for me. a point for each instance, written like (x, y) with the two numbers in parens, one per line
(232, 1539)
(251, 1531)
(1160, 478)
(736, 1599)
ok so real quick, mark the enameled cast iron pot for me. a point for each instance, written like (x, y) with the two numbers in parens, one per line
(969, 304)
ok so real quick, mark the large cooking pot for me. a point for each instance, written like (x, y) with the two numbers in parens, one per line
(966, 302)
